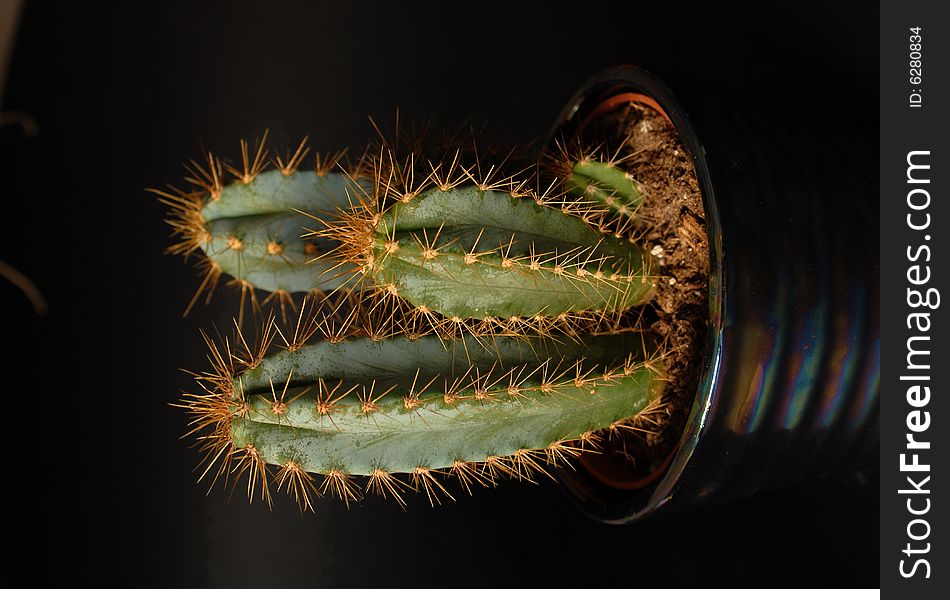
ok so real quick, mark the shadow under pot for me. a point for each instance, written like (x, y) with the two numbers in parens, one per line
(787, 386)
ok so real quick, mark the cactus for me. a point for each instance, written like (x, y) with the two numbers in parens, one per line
(251, 228)
(606, 185)
(463, 249)
(421, 408)
(499, 254)
(611, 194)
(472, 328)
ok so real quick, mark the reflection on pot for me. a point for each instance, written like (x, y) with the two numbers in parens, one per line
(790, 385)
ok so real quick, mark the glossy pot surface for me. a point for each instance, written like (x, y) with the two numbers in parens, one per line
(789, 388)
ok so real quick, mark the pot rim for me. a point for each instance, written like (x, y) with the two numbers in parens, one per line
(621, 84)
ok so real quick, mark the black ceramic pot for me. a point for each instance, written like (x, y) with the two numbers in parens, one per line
(789, 388)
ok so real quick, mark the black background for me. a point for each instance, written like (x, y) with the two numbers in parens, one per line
(100, 491)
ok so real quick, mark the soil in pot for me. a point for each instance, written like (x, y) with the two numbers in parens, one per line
(648, 147)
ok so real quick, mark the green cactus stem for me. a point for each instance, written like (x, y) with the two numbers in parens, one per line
(472, 253)
(251, 227)
(254, 230)
(424, 406)
(604, 185)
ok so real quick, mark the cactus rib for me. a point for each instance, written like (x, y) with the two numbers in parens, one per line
(471, 253)
(597, 180)
(254, 230)
(433, 434)
(251, 227)
(605, 185)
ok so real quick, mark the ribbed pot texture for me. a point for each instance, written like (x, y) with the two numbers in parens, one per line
(789, 389)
